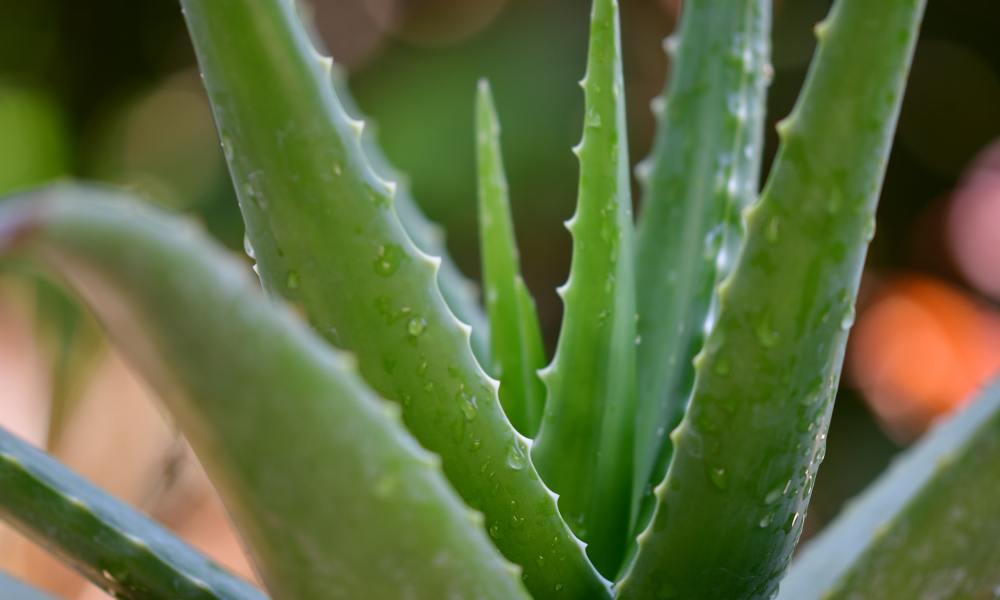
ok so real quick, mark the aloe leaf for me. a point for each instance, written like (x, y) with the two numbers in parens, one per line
(117, 548)
(515, 332)
(322, 228)
(702, 172)
(332, 496)
(458, 292)
(927, 528)
(12, 589)
(584, 447)
(731, 507)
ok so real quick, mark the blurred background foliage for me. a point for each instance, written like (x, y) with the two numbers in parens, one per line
(108, 89)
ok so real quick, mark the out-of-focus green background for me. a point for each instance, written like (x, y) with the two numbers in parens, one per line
(108, 89)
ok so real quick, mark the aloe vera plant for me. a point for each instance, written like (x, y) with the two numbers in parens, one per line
(669, 447)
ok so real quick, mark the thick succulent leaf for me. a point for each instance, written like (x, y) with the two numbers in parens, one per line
(109, 542)
(461, 294)
(516, 335)
(927, 528)
(731, 507)
(12, 589)
(333, 497)
(324, 233)
(702, 172)
(584, 447)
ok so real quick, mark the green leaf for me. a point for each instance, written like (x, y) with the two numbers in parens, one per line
(515, 332)
(322, 228)
(927, 528)
(459, 293)
(731, 508)
(12, 589)
(702, 172)
(109, 542)
(584, 448)
(333, 497)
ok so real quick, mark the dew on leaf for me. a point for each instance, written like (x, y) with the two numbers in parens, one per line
(766, 334)
(515, 456)
(388, 259)
(773, 229)
(718, 477)
(847, 319)
(416, 326)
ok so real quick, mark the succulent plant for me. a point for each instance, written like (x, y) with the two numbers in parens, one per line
(408, 444)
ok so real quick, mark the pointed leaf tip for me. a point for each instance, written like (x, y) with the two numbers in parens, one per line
(584, 447)
(518, 352)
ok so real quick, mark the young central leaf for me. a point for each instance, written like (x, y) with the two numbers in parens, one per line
(517, 338)
(584, 448)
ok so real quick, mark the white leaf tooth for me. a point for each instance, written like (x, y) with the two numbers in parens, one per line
(198, 583)
(77, 503)
(493, 383)
(644, 169)
(357, 126)
(326, 63)
(784, 127)
(570, 223)
(477, 518)
(658, 105)
(821, 30)
(671, 44)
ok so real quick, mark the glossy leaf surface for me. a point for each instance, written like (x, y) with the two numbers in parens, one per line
(703, 170)
(746, 453)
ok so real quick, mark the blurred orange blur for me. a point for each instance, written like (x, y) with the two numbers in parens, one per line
(921, 349)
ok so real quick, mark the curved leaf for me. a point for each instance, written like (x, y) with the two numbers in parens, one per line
(746, 453)
(109, 542)
(333, 497)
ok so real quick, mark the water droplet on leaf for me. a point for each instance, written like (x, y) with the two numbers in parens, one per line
(416, 326)
(388, 259)
(718, 477)
(515, 456)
